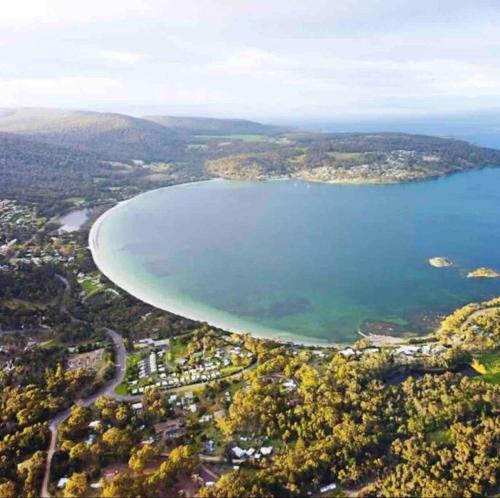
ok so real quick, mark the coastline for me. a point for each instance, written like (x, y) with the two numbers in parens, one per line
(147, 289)
(213, 317)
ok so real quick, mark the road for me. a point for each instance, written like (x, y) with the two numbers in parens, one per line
(475, 314)
(62, 305)
(107, 390)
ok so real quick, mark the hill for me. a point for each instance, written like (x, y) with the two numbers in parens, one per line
(355, 158)
(36, 171)
(111, 136)
(213, 126)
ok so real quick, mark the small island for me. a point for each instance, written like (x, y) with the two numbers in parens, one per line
(483, 273)
(440, 262)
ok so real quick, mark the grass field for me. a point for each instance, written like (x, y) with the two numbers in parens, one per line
(488, 365)
(242, 137)
(91, 285)
(439, 436)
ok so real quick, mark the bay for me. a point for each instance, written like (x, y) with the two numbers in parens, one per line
(305, 261)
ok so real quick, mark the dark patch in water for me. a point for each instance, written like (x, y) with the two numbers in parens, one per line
(278, 309)
(158, 267)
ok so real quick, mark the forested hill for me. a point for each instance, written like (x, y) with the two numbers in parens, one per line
(198, 125)
(356, 158)
(112, 136)
(54, 153)
(34, 171)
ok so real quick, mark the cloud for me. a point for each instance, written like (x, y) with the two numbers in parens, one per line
(36, 13)
(252, 57)
(253, 60)
(54, 91)
(123, 56)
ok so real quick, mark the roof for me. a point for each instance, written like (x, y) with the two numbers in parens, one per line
(328, 487)
(169, 425)
(238, 452)
(62, 482)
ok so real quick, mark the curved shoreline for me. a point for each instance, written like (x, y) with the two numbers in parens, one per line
(186, 311)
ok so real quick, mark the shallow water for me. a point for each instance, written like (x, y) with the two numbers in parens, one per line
(305, 261)
(73, 220)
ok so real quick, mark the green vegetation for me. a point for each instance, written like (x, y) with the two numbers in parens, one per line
(322, 417)
(488, 365)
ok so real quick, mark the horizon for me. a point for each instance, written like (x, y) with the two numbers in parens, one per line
(360, 60)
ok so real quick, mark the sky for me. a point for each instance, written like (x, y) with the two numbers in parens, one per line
(268, 60)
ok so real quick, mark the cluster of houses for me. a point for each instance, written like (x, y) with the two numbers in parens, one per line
(405, 351)
(154, 372)
(11, 212)
(242, 454)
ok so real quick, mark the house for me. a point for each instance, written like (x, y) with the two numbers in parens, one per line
(170, 428)
(206, 418)
(239, 452)
(62, 482)
(290, 385)
(162, 343)
(137, 407)
(348, 352)
(328, 487)
(408, 350)
(220, 413)
(266, 450)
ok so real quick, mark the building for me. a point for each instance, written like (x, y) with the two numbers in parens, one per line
(170, 428)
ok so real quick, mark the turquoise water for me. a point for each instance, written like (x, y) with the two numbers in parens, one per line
(305, 261)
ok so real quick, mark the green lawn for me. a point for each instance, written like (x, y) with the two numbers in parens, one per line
(439, 436)
(90, 285)
(132, 361)
(244, 137)
(122, 389)
(488, 365)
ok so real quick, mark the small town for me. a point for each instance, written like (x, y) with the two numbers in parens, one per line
(154, 390)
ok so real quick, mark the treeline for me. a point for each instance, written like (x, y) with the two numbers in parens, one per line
(431, 436)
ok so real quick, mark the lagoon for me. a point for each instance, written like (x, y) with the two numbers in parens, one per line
(72, 221)
(304, 261)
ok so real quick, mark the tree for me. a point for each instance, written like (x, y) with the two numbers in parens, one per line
(75, 423)
(8, 490)
(236, 485)
(122, 484)
(118, 441)
(77, 486)
(142, 457)
(30, 472)
(80, 452)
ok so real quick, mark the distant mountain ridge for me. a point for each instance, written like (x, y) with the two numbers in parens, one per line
(86, 151)
(113, 136)
(216, 125)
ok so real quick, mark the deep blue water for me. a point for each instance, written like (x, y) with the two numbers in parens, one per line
(311, 260)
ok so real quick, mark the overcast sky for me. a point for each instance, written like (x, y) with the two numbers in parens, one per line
(269, 59)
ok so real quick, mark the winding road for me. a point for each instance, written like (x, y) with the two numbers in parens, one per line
(107, 390)
(475, 314)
